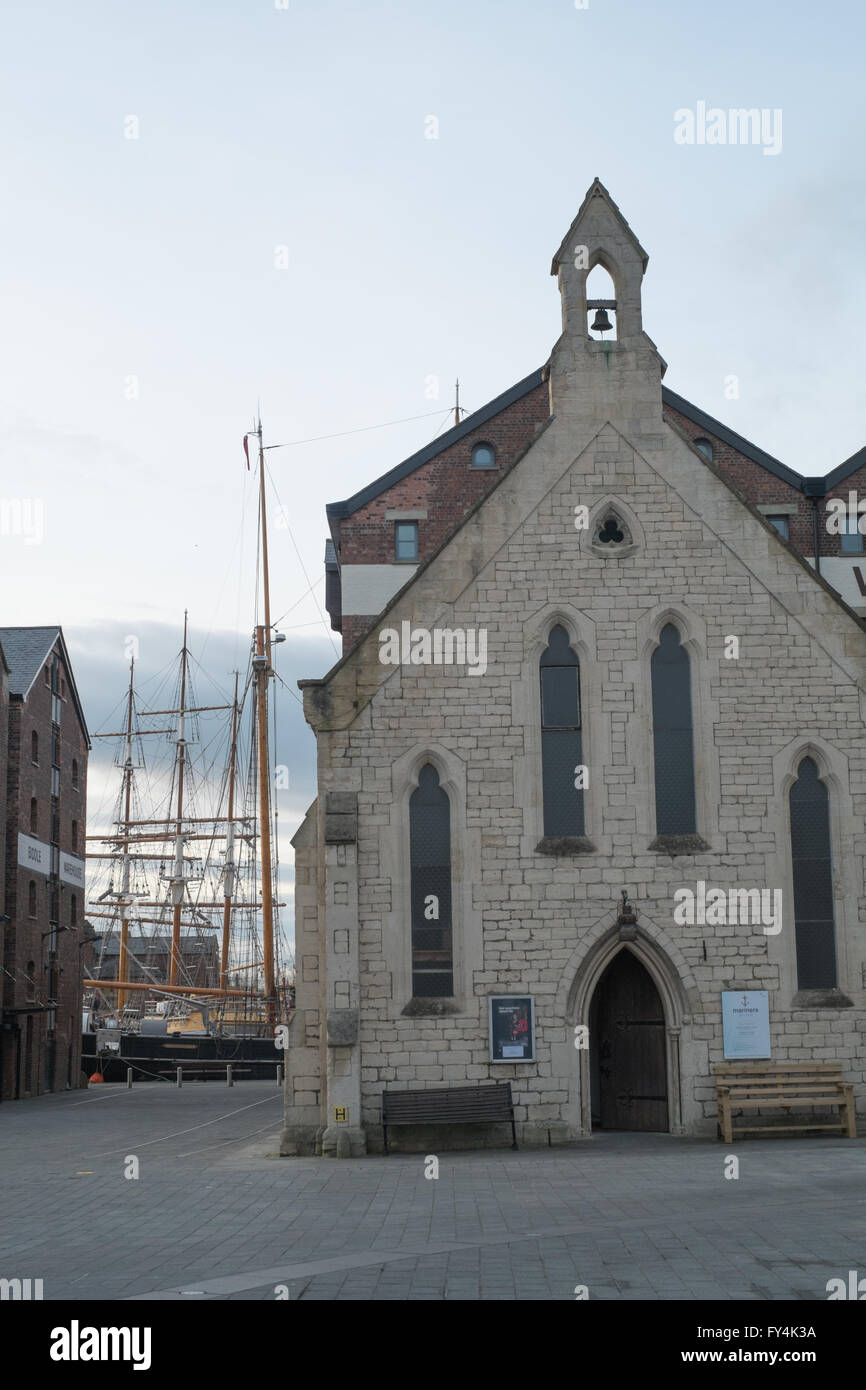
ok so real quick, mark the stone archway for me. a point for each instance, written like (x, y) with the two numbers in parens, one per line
(628, 1071)
(666, 982)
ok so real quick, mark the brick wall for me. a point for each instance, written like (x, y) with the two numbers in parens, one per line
(59, 975)
(447, 487)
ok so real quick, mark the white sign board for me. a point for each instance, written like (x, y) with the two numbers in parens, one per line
(32, 854)
(71, 870)
(746, 1023)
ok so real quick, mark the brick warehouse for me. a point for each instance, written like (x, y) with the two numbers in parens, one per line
(609, 540)
(45, 778)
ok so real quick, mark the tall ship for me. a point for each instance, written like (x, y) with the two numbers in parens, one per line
(186, 958)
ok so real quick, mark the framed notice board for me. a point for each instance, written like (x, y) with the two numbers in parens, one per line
(512, 1027)
(746, 1023)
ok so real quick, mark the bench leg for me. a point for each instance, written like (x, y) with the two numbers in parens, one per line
(850, 1119)
(725, 1118)
(385, 1132)
(513, 1133)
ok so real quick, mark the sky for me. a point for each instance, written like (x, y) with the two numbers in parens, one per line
(214, 207)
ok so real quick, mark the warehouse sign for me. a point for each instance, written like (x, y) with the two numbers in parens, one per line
(33, 854)
(71, 870)
(746, 1023)
(512, 1027)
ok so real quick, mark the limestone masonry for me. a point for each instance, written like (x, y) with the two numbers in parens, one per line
(643, 621)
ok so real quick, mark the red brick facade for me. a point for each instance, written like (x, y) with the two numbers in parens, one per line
(40, 1037)
(447, 486)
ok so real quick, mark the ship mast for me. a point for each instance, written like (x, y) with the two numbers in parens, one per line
(263, 672)
(229, 879)
(177, 879)
(123, 959)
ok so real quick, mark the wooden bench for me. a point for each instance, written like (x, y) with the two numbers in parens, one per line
(787, 1086)
(458, 1105)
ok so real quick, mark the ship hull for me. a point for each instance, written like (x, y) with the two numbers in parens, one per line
(156, 1058)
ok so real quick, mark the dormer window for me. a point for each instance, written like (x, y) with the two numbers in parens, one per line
(483, 456)
(406, 541)
(704, 447)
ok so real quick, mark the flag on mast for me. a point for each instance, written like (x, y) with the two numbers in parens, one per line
(247, 450)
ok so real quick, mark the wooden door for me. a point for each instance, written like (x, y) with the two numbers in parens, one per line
(627, 1037)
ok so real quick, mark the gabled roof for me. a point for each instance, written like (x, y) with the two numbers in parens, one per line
(354, 655)
(26, 650)
(596, 190)
(337, 510)
(845, 469)
(743, 446)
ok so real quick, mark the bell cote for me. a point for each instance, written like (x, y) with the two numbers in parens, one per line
(600, 268)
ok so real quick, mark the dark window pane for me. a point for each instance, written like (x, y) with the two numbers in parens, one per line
(813, 880)
(430, 857)
(560, 736)
(558, 651)
(672, 737)
(781, 525)
(560, 703)
(563, 802)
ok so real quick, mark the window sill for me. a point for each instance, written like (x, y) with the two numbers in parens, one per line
(821, 999)
(561, 846)
(678, 844)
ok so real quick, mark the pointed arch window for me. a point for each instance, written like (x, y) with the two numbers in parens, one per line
(430, 859)
(561, 736)
(814, 924)
(673, 736)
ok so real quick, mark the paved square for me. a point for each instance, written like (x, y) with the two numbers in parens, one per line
(214, 1214)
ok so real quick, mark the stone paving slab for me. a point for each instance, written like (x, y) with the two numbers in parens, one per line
(214, 1214)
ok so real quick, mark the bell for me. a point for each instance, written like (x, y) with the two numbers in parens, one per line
(601, 323)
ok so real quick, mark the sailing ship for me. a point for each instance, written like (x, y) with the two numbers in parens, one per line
(188, 962)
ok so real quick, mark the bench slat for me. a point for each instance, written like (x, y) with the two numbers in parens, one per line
(783, 1085)
(483, 1104)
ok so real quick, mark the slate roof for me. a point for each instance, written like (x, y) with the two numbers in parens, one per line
(812, 487)
(25, 650)
(444, 441)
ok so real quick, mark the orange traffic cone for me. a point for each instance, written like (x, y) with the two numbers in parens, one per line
(96, 1077)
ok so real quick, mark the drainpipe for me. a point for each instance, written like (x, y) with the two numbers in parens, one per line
(815, 488)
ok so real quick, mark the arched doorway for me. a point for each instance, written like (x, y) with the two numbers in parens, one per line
(628, 1067)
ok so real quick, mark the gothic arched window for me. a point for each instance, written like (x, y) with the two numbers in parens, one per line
(813, 880)
(430, 860)
(561, 746)
(673, 739)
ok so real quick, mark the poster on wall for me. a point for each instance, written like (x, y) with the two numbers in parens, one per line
(746, 1023)
(512, 1027)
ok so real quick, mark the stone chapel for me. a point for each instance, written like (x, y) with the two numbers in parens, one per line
(589, 767)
